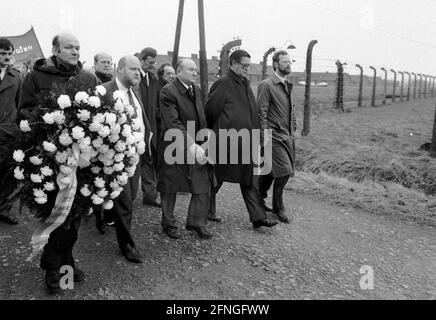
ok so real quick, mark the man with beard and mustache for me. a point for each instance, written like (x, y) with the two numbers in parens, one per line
(277, 112)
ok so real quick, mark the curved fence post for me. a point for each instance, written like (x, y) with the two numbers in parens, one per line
(359, 99)
(402, 86)
(374, 85)
(306, 119)
(385, 85)
(395, 85)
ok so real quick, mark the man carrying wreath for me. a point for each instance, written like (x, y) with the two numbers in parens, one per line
(61, 68)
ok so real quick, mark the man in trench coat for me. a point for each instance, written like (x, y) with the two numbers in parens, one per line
(231, 105)
(180, 108)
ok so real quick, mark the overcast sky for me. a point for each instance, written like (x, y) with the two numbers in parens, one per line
(398, 34)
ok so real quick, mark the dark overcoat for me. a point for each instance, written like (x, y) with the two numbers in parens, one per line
(10, 93)
(231, 105)
(150, 99)
(176, 109)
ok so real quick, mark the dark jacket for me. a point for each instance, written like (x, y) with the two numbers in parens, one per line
(150, 99)
(111, 87)
(231, 105)
(176, 109)
(10, 93)
(39, 82)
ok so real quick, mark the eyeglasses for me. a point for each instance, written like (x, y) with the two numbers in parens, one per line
(245, 66)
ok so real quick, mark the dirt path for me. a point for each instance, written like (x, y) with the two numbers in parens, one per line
(317, 256)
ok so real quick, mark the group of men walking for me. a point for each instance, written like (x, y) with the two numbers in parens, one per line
(167, 102)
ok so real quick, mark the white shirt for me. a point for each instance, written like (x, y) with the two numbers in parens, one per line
(145, 74)
(186, 86)
(2, 72)
(282, 79)
(125, 99)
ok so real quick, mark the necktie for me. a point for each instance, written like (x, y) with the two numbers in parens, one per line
(148, 79)
(132, 103)
(191, 93)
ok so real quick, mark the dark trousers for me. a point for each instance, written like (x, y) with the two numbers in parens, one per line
(148, 179)
(123, 210)
(251, 199)
(265, 183)
(59, 249)
(197, 211)
(5, 206)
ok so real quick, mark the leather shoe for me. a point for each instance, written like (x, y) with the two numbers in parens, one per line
(267, 207)
(172, 233)
(280, 215)
(264, 223)
(79, 275)
(154, 203)
(52, 281)
(201, 231)
(131, 254)
(214, 218)
(8, 217)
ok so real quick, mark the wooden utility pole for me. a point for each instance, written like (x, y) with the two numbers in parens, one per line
(178, 33)
(306, 120)
(203, 60)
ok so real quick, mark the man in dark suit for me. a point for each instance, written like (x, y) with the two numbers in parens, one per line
(182, 114)
(148, 89)
(10, 92)
(231, 105)
(127, 77)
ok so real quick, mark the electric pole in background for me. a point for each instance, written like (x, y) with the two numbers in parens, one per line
(178, 33)
(203, 59)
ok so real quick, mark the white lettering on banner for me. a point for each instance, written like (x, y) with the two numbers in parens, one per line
(22, 49)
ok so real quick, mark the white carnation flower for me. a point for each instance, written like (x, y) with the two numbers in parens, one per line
(127, 130)
(100, 90)
(94, 102)
(119, 106)
(131, 171)
(138, 136)
(104, 131)
(130, 140)
(24, 126)
(108, 170)
(95, 169)
(18, 155)
(96, 200)
(97, 143)
(134, 160)
(61, 157)
(120, 146)
(123, 179)
(38, 193)
(102, 193)
(115, 128)
(122, 118)
(35, 160)
(85, 191)
(108, 205)
(48, 118)
(77, 133)
(95, 126)
(65, 139)
(64, 101)
(36, 178)
(118, 166)
(81, 96)
(115, 194)
(104, 148)
(99, 182)
(46, 171)
(49, 186)
(40, 200)
(59, 117)
(113, 138)
(48, 146)
(99, 117)
(117, 95)
(84, 115)
(115, 186)
(130, 151)
(109, 154)
(119, 157)
(141, 147)
(111, 118)
(19, 173)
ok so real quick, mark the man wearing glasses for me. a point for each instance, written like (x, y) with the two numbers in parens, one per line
(231, 105)
(10, 93)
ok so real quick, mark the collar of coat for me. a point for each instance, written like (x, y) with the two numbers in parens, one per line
(182, 88)
(234, 76)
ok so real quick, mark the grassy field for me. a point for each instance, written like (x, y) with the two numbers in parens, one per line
(371, 158)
